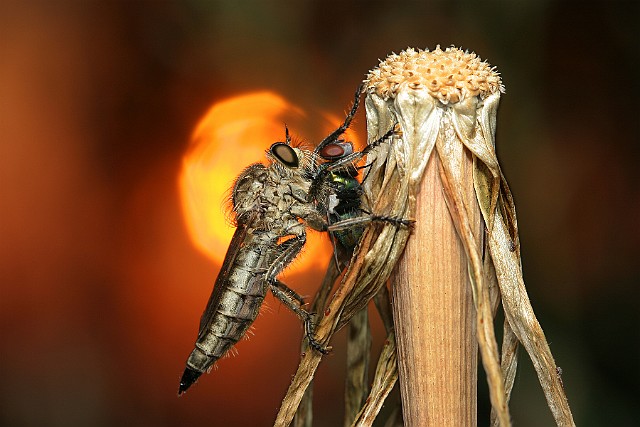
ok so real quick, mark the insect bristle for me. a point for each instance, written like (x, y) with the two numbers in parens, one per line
(265, 308)
(250, 332)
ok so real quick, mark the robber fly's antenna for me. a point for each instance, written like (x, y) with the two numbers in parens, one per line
(287, 136)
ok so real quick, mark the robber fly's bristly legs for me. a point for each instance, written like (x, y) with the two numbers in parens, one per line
(287, 290)
(289, 249)
(294, 305)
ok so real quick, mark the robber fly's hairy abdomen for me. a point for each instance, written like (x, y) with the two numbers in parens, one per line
(235, 302)
(269, 234)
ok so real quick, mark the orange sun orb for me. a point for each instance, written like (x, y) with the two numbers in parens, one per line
(233, 134)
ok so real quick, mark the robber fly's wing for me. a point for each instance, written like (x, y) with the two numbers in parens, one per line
(237, 242)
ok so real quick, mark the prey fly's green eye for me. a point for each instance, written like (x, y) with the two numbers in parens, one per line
(285, 154)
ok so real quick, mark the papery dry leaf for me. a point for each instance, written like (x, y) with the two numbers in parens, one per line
(358, 350)
(436, 105)
(385, 378)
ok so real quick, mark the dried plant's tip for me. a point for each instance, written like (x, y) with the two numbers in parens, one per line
(450, 75)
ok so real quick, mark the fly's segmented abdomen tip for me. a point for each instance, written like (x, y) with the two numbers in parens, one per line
(188, 378)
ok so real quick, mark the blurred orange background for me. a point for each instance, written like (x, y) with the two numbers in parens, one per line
(101, 286)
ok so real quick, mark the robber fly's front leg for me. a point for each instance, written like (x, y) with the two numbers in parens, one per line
(288, 250)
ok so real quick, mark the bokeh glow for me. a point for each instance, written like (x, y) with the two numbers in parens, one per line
(233, 134)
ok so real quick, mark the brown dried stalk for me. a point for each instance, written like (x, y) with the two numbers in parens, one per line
(445, 100)
(304, 412)
(384, 380)
(386, 373)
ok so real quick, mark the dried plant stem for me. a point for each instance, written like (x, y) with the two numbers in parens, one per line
(461, 216)
(384, 380)
(434, 313)
(304, 412)
(358, 355)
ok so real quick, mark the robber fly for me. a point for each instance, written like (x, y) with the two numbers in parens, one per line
(268, 203)
(273, 205)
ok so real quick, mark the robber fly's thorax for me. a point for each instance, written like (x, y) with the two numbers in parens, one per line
(277, 192)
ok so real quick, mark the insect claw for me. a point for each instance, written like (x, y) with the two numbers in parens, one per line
(318, 347)
(409, 223)
(308, 331)
(397, 130)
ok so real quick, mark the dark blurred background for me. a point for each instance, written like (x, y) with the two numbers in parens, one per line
(101, 287)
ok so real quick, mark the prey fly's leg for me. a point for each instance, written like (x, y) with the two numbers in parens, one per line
(288, 250)
(354, 157)
(366, 219)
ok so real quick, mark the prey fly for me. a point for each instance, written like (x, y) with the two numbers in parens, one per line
(336, 191)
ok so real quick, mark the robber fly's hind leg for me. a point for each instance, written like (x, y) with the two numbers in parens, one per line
(288, 250)
(287, 291)
(307, 318)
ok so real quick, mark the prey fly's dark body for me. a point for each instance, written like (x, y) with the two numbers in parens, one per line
(273, 206)
(336, 191)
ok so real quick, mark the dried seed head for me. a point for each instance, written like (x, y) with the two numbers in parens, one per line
(450, 76)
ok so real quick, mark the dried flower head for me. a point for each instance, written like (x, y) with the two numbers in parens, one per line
(450, 75)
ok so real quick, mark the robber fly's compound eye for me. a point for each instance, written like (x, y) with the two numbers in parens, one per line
(285, 154)
(336, 150)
